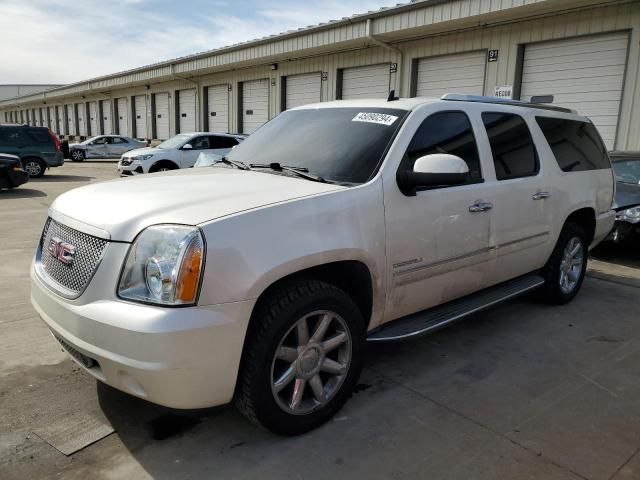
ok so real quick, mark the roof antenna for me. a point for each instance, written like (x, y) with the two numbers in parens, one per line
(392, 96)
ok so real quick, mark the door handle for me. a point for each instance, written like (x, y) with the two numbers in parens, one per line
(480, 207)
(541, 195)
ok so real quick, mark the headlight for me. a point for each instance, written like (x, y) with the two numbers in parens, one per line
(164, 266)
(142, 157)
(631, 215)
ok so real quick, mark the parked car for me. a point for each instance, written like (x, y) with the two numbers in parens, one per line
(103, 146)
(626, 166)
(338, 223)
(180, 151)
(37, 147)
(12, 174)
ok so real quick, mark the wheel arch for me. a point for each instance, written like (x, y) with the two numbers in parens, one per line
(584, 217)
(354, 277)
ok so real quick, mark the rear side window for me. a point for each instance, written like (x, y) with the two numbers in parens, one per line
(37, 136)
(514, 154)
(577, 146)
(222, 142)
(445, 132)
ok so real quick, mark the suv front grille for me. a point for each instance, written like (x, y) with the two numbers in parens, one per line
(69, 279)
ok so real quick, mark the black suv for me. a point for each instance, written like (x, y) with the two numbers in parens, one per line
(37, 147)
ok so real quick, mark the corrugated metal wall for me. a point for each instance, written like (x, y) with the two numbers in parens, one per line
(507, 38)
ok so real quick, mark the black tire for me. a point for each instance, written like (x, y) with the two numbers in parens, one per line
(163, 166)
(34, 167)
(552, 292)
(77, 155)
(273, 318)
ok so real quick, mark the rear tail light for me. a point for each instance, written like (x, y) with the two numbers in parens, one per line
(56, 142)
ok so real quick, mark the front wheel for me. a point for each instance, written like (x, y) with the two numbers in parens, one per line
(565, 270)
(302, 357)
(77, 155)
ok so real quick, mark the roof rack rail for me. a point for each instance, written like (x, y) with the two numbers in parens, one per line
(504, 101)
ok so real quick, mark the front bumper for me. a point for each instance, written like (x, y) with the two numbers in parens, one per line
(126, 169)
(176, 357)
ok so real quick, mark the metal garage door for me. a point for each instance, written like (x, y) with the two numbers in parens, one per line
(162, 116)
(303, 89)
(82, 121)
(123, 119)
(585, 74)
(371, 81)
(52, 119)
(460, 73)
(255, 104)
(62, 125)
(93, 118)
(187, 110)
(106, 117)
(218, 108)
(141, 116)
(71, 122)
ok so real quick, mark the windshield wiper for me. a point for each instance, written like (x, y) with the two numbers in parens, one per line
(234, 163)
(301, 172)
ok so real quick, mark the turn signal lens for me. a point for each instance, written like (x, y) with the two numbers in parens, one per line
(189, 273)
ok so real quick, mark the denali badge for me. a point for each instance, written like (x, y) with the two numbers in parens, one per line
(63, 251)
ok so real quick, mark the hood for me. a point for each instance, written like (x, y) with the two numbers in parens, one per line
(627, 195)
(192, 196)
(142, 151)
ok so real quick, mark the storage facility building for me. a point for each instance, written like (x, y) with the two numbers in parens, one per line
(585, 53)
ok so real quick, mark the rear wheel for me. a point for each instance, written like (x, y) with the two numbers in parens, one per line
(302, 359)
(565, 270)
(77, 155)
(34, 167)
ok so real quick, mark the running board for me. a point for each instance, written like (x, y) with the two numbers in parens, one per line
(427, 321)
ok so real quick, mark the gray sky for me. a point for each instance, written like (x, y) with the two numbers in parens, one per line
(62, 41)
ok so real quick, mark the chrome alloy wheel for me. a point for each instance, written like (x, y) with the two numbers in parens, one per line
(571, 265)
(308, 369)
(77, 155)
(33, 168)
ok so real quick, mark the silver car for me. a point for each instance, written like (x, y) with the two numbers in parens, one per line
(103, 146)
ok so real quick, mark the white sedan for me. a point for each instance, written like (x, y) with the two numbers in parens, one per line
(103, 146)
(180, 151)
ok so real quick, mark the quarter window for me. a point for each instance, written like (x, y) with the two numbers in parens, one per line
(577, 146)
(218, 141)
(446, 132)
(514, 154)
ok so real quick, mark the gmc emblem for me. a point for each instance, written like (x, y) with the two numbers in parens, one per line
(63, 251)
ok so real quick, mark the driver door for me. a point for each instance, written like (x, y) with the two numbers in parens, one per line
(97, 148)
(438, 241)
(188, 156)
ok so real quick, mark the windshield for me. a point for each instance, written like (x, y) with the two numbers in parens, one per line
(344, 145)
(174, 142)
(627, 171)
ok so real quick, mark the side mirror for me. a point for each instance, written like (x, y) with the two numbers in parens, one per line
(187, 146)
(436, 170)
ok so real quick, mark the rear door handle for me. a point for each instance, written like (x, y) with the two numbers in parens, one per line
(480, 207)
(541, 195)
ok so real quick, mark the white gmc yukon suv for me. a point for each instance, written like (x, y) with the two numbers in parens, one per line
(259, 279)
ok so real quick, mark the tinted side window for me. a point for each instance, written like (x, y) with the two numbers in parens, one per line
(576, 145)
(514, 154)
(37, 136)
(222, 142)
(200, 143)
(10, 137)
(119, 141)
(445, 132)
